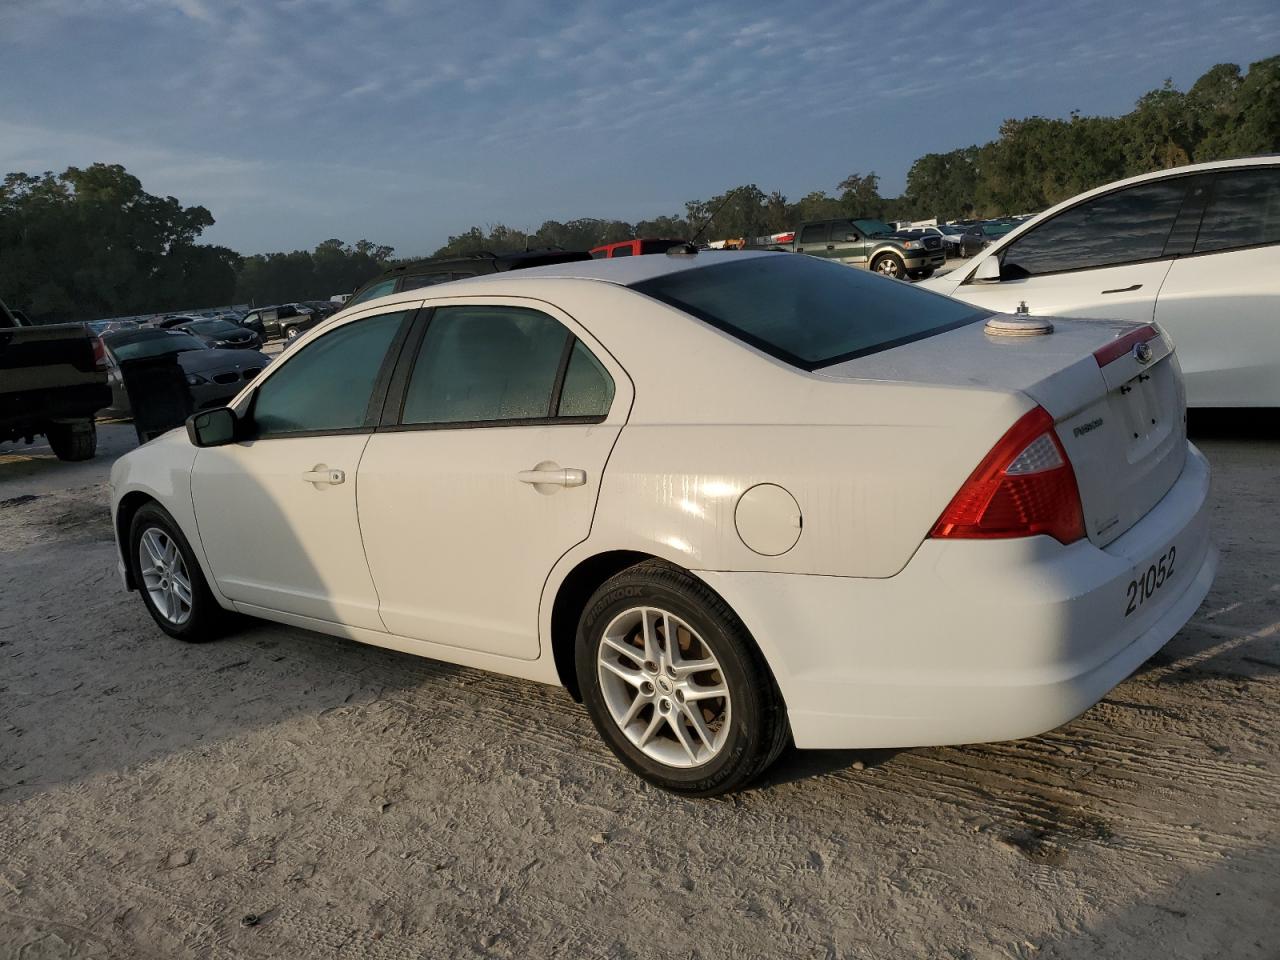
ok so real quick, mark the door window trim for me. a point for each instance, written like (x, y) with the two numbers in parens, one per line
(1007, 243)
(1215, 177)
(377, 396)
(391, 419)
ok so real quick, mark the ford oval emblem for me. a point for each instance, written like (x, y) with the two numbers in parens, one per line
(1142, 352)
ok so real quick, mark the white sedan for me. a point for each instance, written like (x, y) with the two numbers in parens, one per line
(1195, 249)
(729, 500)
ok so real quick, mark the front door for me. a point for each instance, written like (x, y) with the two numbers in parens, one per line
(1106, 257)
(489, 475)
(1114, 293)
(849, 246)
(277, 510)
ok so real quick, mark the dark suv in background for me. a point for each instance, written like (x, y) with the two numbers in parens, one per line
(426, 273)
(287, 321)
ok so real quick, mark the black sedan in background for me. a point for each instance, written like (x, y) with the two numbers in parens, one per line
(214, 376)
(222, 334)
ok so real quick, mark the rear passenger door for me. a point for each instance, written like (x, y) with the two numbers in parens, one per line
(815, 240)
(485, 470)
(1221, 301)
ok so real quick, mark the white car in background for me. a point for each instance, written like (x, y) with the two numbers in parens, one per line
(727, 499)
(1195, 249)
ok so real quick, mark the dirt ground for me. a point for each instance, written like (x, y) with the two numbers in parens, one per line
(283, 794)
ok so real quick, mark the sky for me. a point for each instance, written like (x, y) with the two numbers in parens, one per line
(405, 122)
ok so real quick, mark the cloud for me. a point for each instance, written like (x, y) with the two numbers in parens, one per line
(306, 108)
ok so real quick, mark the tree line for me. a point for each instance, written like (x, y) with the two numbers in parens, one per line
(91, 242)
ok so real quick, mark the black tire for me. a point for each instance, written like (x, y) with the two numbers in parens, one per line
(889, 265)
(207, 620)
(758, 729)
(73, 441)
(924, 274)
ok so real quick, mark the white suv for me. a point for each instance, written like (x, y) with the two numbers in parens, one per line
(1196, 249)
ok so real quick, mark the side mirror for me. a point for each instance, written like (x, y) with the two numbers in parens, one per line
(988, 270)
(212, 428)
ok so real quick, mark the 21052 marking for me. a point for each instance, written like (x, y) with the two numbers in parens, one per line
(1157, 575)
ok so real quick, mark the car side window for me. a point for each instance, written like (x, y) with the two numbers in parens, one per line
(377, 290)
(1243, 211)
(480, 364)
(327, 384)
(814, 233)
(622, 251)
(1126, 226)
(843, 232)
(588, 388)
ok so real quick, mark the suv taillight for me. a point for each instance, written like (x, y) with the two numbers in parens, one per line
(99, 354)
(1023, 487)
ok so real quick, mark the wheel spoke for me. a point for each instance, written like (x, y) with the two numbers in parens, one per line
(694, 715)
(677, 727)
(625, 649)
(181, 590)
(633, 677)
(687, 668)
(634, 711)
(706, 693)
(153, 548)
(649, 731)
(651, 649)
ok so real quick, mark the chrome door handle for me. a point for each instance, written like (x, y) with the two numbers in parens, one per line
(554, 476)
(321, 474)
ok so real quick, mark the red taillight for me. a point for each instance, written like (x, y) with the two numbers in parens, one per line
(1023, 487)
(99, 354)
(1118, 348)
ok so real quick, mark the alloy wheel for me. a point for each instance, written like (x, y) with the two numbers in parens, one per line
(663, 687)
(164, 575)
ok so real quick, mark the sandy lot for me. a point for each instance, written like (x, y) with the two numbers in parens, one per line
(282, 794)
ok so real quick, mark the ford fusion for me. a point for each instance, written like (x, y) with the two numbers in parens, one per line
(729, 500)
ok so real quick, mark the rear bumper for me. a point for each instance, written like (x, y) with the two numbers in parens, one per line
(25, 409)
(976, 641)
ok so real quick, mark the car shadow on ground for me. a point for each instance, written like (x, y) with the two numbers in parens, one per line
(795, 765)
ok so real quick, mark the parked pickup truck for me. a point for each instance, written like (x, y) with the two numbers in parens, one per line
(51, 383)
(870, 245)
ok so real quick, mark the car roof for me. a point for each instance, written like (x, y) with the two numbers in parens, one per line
(499, 261)
(623, 270)
(120, 337)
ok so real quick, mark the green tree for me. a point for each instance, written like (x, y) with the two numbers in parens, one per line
(90, 242)
(333, 267)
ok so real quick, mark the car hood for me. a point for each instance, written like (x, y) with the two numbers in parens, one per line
(213, 361)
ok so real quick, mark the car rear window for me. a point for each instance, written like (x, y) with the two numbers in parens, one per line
(807, 312)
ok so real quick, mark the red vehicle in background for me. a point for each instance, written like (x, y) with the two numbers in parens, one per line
(633, 248)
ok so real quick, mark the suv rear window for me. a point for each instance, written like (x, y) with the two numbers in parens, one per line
(805, 311)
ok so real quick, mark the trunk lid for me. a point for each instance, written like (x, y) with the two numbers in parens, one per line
(1119, 407)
